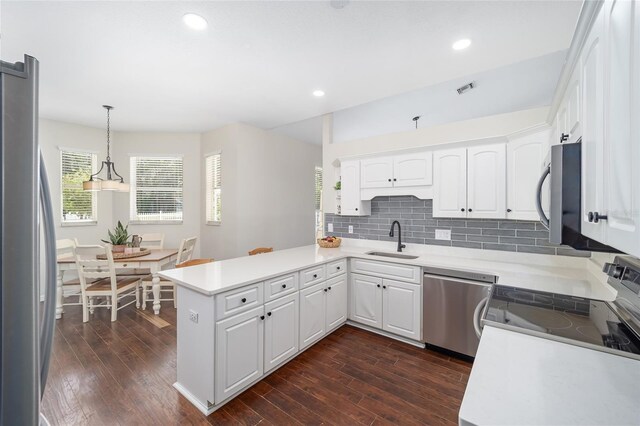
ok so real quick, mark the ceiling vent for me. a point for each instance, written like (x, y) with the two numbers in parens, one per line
(466, 88)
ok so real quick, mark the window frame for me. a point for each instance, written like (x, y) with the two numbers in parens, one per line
(133, 190)
(94, 195)
(209, 187)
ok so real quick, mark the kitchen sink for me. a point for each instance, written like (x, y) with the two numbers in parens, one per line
(395, 255)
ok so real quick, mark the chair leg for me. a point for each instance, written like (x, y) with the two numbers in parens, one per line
(114, 307)
(144, 296)
(108, 302)
(138, 296)
(175, 296)
(85, 309)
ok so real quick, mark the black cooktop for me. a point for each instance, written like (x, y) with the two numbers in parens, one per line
(584, 322)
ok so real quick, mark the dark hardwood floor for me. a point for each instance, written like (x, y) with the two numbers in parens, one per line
(105, 373)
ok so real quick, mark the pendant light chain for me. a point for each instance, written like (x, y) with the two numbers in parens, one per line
(108, 133)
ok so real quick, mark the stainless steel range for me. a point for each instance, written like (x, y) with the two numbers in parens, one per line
(607, 326)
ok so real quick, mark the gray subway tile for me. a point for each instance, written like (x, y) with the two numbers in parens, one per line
(562, 251)
(481, 224)
(532, 234)
(537, 249)
(512, 240)
(499, 232)
(458, 237)
(482, 238)
(501, 247)
(466, 244)
(435, 242)
(517, 225)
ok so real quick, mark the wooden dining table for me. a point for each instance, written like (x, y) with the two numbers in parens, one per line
(154, 262)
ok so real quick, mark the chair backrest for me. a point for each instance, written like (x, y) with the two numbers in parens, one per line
(90, 268)
(193, 262)
(64, 248)
(260, 250)
(152, 241)
(185, 252)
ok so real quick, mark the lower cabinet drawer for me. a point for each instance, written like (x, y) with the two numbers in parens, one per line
(280, 286)
(336, 268)
(396, 271)
(239, 300)
(312, 276)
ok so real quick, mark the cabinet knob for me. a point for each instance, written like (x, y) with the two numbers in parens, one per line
(508, 210)
(384, 286)
(325, 290)
(244, 300)
(262, 317)
(284, 286)
(338, 268)
(378, 285)
(269, 313)
(394, 179)
(470, 210)
(356, 209)
(315, 275)
(461, 210)
(596, 217)
(389, 180)
(329, 288)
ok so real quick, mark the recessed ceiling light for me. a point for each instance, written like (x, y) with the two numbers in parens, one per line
(195, 22)
(318, 93)
(461, 44)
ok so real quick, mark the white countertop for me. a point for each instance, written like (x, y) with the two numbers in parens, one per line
(557, 274)
(518, 379)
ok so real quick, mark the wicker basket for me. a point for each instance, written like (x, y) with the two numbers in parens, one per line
(326, 244)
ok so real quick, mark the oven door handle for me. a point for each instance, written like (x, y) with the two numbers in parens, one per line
(477, 314)
(543, 217)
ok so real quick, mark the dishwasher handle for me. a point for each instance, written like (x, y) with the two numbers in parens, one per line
(477, 316)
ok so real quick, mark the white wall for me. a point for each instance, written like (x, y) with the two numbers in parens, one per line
(493, 126)
(267, 191)
(187, 145)
(52, 136)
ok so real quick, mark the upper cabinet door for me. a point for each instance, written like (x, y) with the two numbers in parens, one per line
(413, 169)
(574, 109)
(376, 172)
(562, 122)
(487, 181)
(622, 133)
(450, 183)
(592, 63)
(351, 205)
(525, 158)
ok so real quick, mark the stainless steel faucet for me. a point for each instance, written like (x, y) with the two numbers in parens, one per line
(400, 245)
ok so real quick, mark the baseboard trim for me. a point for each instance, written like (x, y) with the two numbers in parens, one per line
(204, 409)
(386, 334)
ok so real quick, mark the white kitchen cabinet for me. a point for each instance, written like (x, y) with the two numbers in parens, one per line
(486, 181)
(366, 300)
(336, 304)
(350, 202)
(415, 169)
(376, 172)
(574, 107)
(621, 192)
(280, 331)
(525, 160)
(401, 313)
(312, 314)
(450, 183)
(239, 352)
(592, 63)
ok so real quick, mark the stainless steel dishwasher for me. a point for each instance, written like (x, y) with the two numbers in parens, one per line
(451, 301)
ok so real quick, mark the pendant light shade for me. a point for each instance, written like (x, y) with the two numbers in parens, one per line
(112, 181)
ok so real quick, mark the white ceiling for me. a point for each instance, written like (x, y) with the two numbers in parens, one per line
(259, 61)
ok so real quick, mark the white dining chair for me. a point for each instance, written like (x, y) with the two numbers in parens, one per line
(185, 252)
(102, 274)
(70, 287)
(152, 241)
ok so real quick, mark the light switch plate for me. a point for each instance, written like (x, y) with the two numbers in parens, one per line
(351, 229)
(193, 316)
(330, 227)
(443, 234)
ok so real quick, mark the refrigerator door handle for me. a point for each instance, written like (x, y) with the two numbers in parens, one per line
(46, 335)
(543, 217)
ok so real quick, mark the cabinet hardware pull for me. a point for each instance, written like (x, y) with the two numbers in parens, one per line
(384, 286)
(329, 288)
(244, 300)
(356, 209)
(262, 317)
(508, 210)
(378, 285)
(269, 313)
(325, 290)
(394, 179)
(284, 286)
(470, 210)
(338, 268)
(461, 210)
(315, 275)
(564, 137)
(596, 217)
(389, 180)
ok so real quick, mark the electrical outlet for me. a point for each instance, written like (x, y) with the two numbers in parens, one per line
(443, 234)
(330, 227)
(351, 229)
(193, 316)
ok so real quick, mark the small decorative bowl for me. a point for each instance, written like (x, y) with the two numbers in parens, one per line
(330, 244)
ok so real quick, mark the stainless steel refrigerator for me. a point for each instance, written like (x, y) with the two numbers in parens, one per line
(26, 311)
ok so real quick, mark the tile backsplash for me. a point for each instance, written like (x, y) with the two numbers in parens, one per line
(419, 227)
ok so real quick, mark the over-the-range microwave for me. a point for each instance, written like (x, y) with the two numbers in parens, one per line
(565, 202)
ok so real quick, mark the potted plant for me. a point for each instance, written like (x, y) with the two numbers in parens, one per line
(338, 187)
(118, 238)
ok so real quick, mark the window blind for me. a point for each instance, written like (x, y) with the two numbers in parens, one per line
(77, 205)
(318, 201)
(156, 189)
(213, 188)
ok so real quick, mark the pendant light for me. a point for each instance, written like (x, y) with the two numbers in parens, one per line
(113, 181)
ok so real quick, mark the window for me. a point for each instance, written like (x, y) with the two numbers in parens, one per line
(318, 202)
(214, 189)
(156, 189)
(78, 206)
